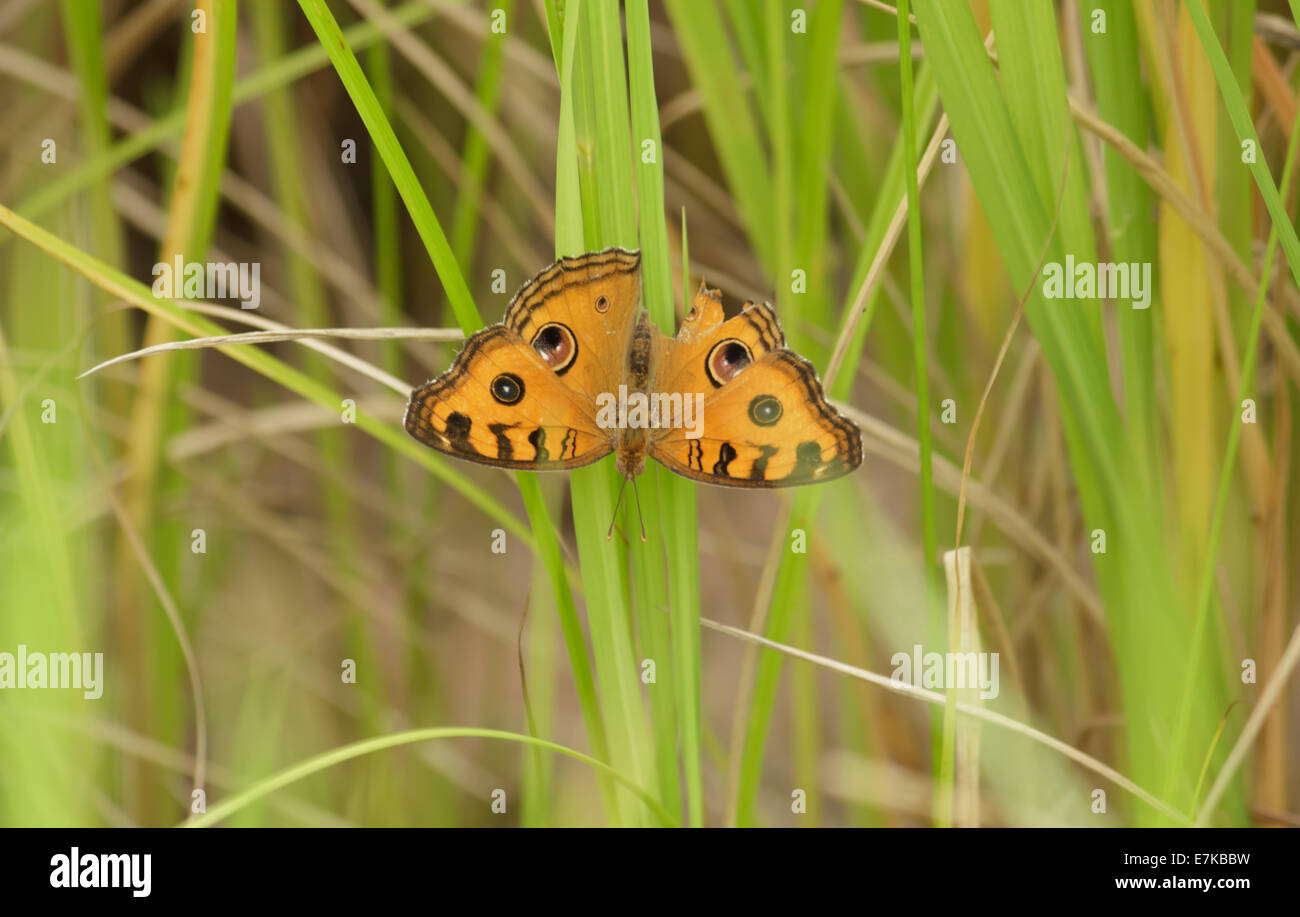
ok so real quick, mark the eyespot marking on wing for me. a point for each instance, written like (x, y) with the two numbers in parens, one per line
(557, 346)
(726, 360)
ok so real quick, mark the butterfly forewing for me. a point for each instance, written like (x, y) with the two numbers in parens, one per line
(588, 302)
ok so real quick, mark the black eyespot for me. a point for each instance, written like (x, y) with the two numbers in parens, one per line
(507, 388)
(556, 345)
(602, 303)
(726, 360)
(765, 410)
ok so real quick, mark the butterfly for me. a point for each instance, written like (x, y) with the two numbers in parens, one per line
(576, 370)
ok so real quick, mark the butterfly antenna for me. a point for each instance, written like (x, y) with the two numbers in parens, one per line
(617, 504)
(638, 506)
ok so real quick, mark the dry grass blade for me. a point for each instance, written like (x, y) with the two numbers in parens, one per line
(934, 697)
(297, 334)
(1267, 698)
(963, 636)
(877, 269)
(1002, 351)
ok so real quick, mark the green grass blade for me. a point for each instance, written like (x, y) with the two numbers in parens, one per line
(1239, 114)
(475, 154)
(228, 807)
(385, 141)
(1116, 68)
(602, 137)
(677, 505)
(699, 28)
(920, 347)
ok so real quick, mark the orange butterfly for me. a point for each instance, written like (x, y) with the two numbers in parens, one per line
(577, 371)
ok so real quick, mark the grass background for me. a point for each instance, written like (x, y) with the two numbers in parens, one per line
(895, 215)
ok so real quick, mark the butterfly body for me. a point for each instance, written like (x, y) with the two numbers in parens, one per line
(576, 370)
(633, 442)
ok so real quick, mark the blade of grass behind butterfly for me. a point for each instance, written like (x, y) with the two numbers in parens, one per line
(701, 33)
(601, 129)
(676, 494)
(702, 57)
(779, 75)
(765, 38)
(570, 237)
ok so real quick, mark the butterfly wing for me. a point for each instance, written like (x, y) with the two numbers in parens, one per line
(704, 328)
(579, 314)
(501, 404)
(522, 394)
(766, 421)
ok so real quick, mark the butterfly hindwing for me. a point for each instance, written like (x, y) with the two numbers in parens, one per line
(766, 421)
(501, 404)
